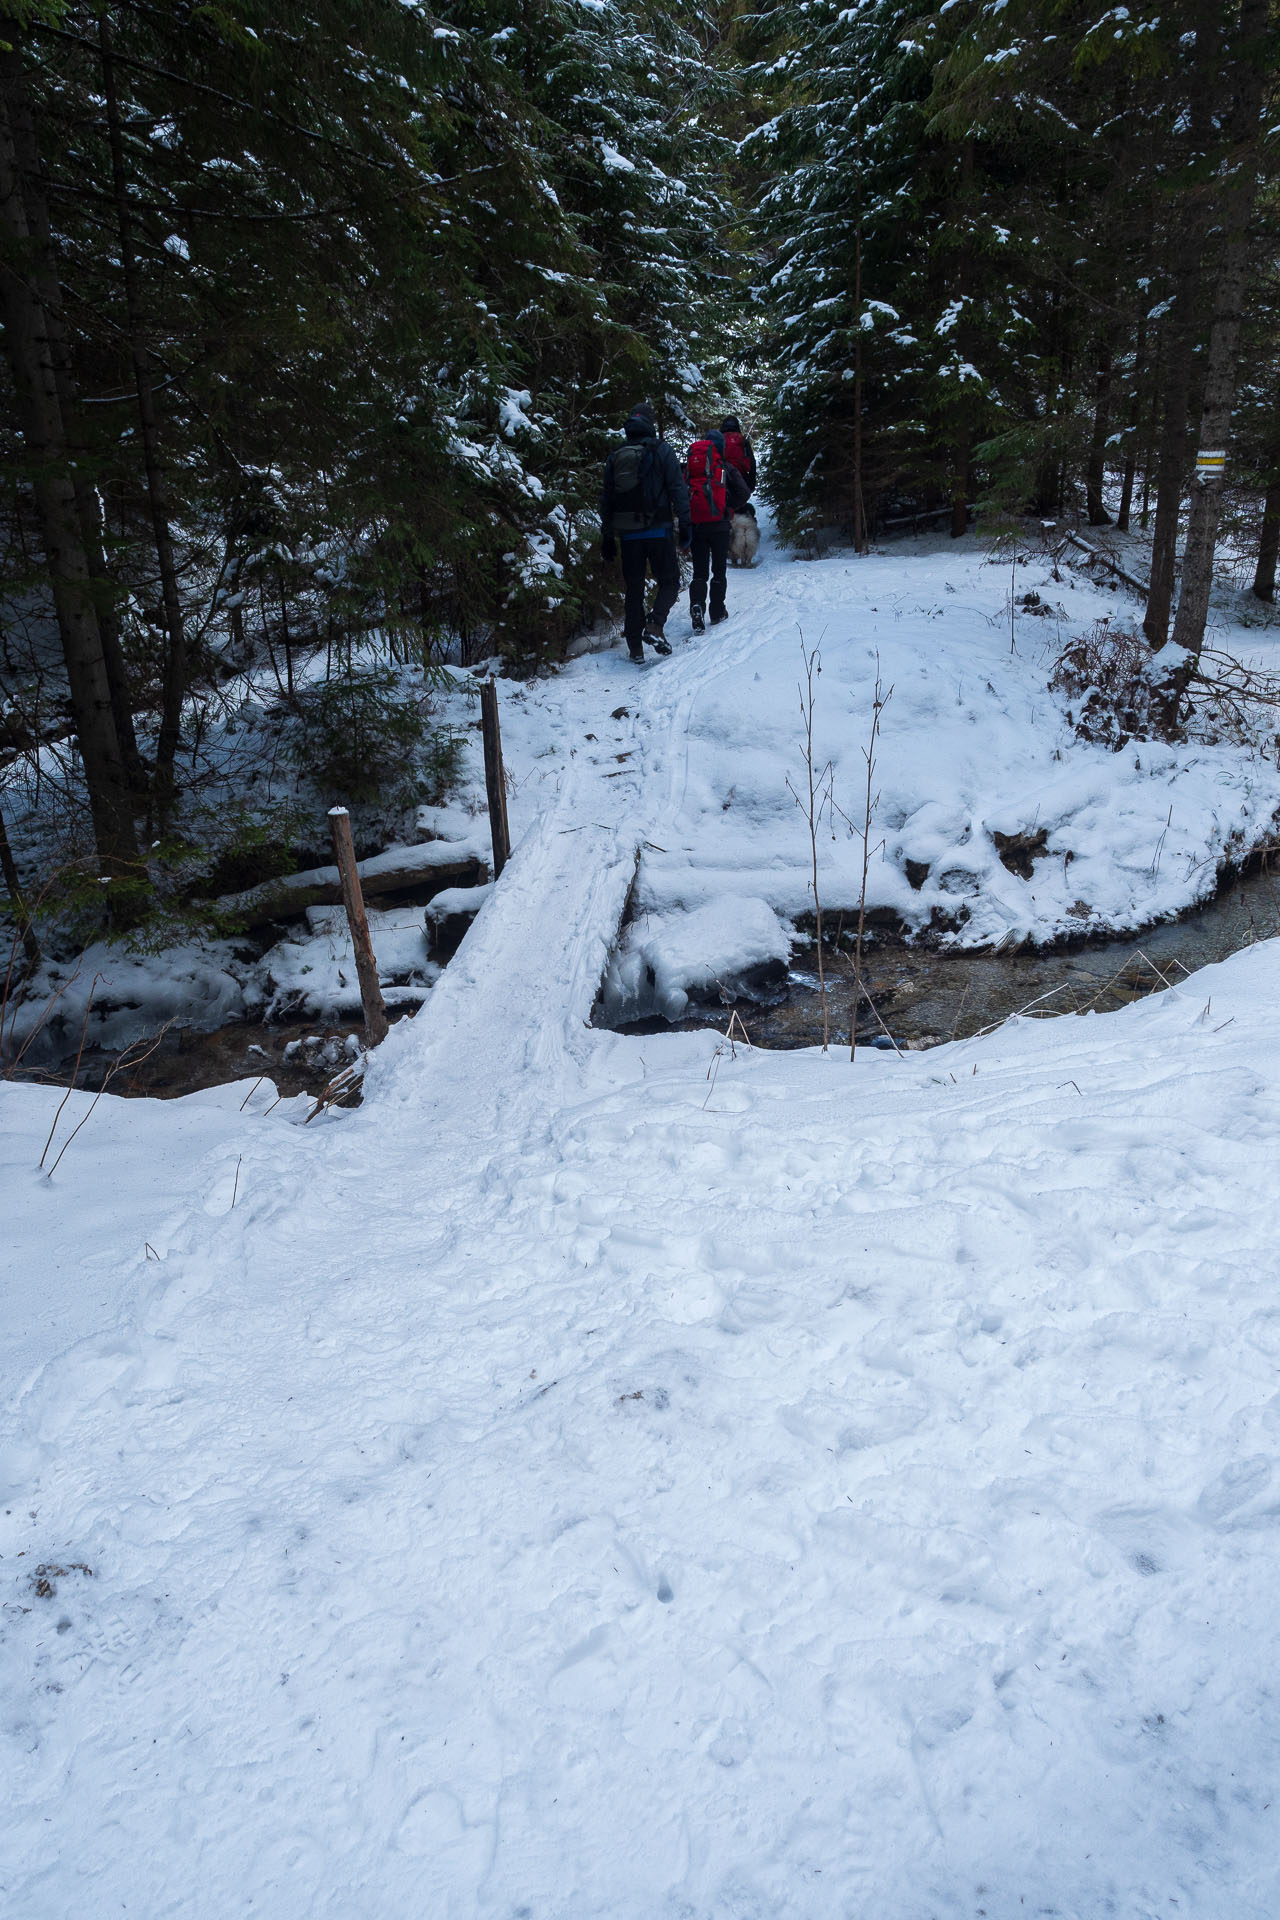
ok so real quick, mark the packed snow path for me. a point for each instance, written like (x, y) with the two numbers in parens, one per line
(609, 1477)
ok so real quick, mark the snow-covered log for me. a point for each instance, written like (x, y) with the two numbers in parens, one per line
(435, 864)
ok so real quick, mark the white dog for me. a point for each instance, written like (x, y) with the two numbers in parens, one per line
(744, 540)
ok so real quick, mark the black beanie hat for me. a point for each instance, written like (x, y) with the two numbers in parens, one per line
(731, 424)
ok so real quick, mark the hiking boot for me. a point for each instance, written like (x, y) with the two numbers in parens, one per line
(635, 651)
(698, 618)
(716, 618)
(657, 638)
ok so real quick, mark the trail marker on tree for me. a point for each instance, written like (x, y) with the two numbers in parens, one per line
(375, 1011)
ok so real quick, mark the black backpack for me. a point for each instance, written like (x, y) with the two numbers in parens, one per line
(638, 488)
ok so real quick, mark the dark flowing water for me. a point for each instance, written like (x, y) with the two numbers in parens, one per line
(924, 997)
(297, 1056)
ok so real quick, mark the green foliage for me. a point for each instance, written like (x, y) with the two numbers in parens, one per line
(399, 275)
(245, 846)
(366, 735)
(976, 217)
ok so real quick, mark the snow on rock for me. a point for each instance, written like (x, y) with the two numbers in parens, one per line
(454, 823)
(662, 961)
(313, 974)
(458, 900)
(113, 997)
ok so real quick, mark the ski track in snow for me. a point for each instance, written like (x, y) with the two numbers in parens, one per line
(615, 1477)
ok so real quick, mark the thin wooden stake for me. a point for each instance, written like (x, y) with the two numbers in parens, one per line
(375, 1011)
(494, 778)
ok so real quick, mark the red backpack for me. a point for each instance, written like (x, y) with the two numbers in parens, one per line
(705, 471)
(735, 452)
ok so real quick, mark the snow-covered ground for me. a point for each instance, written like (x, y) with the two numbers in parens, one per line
(972, 746)
(629, 1478)
(973, 751)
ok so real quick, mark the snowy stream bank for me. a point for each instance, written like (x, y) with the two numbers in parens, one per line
(994, 828)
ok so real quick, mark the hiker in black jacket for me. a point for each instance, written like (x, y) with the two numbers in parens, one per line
(644, 493)
(711, 542)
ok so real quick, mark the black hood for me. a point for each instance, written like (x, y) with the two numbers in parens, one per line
(732, 424)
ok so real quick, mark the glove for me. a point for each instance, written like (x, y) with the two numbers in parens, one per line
(608, 548)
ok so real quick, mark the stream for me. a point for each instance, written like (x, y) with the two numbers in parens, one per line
(924, 997)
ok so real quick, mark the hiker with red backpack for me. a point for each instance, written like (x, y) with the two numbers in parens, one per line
(738, 451)
(717, 490)
(644, 493)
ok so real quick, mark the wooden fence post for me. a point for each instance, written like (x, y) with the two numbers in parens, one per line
(375, 1011)
(493, 775)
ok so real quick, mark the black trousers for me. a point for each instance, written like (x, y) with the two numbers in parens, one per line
(710, 556)
(658, 553)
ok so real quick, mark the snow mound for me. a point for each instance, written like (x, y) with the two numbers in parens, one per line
(107, 997)
(664, 961)
(453, 900)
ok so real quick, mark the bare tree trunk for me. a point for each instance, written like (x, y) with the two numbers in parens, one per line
(1135, 413)
(1153, 420)
(1222, 359)
(1179, 338)
(1096, 470)
(960, 494)
(1264, 577)
(175, 662)
(46, 288)
(1215, 428)
(106, 596)
(1125, 510)
(860, 542)
(1044, 502)
(1171, 457)
(33, 361)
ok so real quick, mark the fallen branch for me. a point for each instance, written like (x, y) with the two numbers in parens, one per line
(1107, 559)
(342, 1083)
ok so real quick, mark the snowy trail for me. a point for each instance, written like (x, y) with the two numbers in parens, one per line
(563, 894)
(616, 1478)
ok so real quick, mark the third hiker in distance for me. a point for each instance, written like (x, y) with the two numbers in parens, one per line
(717, 490)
